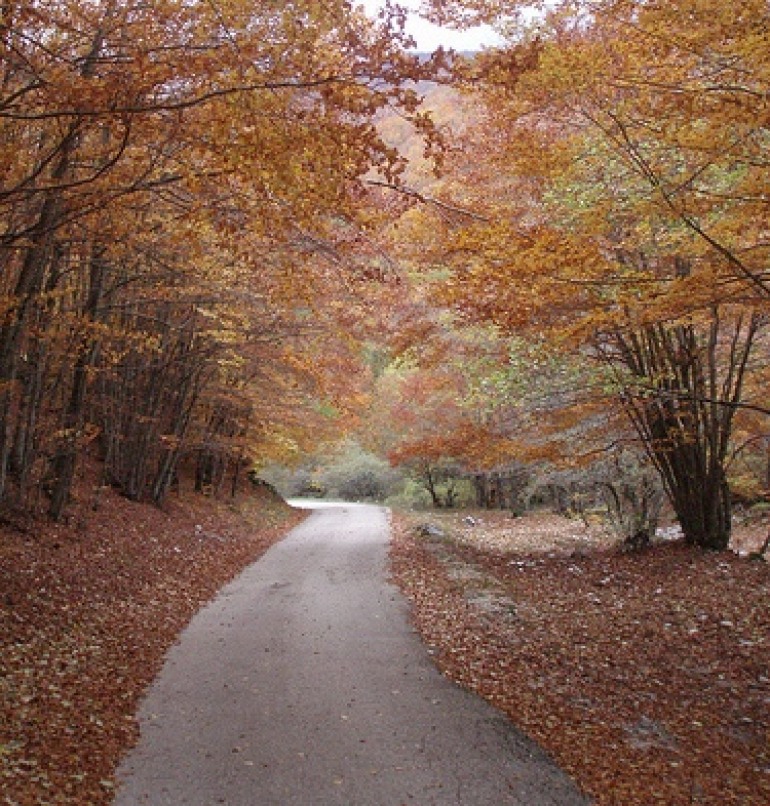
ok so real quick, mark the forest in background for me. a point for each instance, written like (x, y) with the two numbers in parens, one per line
(587, 326)
(536, 273)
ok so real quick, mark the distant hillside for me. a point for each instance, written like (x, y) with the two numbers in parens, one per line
(451, 110)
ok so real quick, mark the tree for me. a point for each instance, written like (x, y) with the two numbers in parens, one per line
(167, 171)
(626, 153)
(353, 474)
(633, 495)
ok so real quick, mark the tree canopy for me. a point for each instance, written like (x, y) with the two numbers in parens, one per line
(210, 212)
(183, 189)
(611, 204)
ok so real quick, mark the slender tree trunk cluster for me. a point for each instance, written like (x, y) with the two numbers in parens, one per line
(684, 386)
(501, 489)
(88, 369)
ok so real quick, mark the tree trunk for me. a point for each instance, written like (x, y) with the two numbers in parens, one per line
(705, 514)
(481, 486)
(430, 486)
(689, 385)
(63, 464)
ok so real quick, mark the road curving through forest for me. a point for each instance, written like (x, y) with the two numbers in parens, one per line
(303, 683)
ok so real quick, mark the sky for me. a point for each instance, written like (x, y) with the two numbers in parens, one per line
(429, 36)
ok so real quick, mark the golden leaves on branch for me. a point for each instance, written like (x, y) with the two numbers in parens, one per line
(180, 181)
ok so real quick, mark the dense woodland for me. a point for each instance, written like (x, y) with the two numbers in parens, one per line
(184, 224)
(232, 231)
(267, 239)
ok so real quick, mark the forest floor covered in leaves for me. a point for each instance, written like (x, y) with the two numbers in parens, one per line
(88, 609)
(644, 675)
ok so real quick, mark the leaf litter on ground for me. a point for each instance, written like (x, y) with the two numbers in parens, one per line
(645, 675)
(88, 609)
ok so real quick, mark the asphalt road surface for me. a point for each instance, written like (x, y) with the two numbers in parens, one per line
(303, 683)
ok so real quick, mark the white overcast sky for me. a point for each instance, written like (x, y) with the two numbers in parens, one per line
(429, 37)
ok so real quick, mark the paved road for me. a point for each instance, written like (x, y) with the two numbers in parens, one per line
(302, 683)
